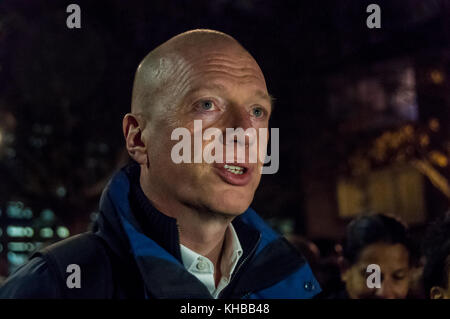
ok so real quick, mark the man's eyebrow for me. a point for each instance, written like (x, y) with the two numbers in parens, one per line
(267, 97)
(272, 101)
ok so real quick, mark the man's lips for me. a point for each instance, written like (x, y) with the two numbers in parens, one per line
(238, 174)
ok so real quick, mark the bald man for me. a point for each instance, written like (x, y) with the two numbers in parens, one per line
(170, 229)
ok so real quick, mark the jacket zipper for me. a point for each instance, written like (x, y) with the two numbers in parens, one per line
(240, 265)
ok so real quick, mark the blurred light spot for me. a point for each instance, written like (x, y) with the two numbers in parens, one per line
(438, 158)
(19, 231)
(47, 215)
(93, 216)
(434, 125)
(16, 259)
(21, 247)
(27, 213)
(46, 232)
(437, 77)
(424, 140)
(61, 191)
(62, 232)
(286, 226)
(16, 210)
(13, 209)
(1, 248)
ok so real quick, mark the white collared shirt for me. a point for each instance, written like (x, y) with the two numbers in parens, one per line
(203, 269)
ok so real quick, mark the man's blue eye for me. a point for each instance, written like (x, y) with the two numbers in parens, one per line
(207, 105)
(258, 112)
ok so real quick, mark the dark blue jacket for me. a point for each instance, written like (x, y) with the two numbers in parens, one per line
(144, 260)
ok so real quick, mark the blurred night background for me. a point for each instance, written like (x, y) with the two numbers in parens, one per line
(363, 113)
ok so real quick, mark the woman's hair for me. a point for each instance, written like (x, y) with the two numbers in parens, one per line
(436, 249)
(370, 229)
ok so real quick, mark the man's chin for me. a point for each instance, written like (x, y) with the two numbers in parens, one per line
(227, 199)
(233, 211)
(232, 207)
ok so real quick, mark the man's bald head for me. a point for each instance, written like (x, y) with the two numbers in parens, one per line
(206, 76)
(163, 71)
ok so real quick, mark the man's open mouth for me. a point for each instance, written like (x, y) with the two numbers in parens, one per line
(235, 174)
(238, 170)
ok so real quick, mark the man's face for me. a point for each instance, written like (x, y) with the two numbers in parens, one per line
(224, 88)
(393, 260)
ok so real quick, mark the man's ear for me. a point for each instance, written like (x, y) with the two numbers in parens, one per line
(437, 293)
(134, 141)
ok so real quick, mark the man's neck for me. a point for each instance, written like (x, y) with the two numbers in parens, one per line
(201, 232)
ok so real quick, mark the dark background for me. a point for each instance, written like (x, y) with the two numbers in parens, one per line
(63, 93)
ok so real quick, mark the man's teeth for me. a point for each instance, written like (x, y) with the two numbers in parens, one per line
(234, 169)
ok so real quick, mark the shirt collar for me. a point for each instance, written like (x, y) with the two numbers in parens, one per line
(231, 253)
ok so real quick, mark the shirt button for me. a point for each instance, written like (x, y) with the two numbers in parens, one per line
(201, 265)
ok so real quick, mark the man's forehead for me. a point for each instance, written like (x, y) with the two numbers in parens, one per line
(193, 60)
(205, 57)
(210, 70)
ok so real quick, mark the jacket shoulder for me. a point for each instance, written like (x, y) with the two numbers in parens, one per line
(47, 272)
(33, 280)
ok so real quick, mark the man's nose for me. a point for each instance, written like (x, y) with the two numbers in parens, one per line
(240, 119)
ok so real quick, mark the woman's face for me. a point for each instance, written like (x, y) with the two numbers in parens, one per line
(393, 260)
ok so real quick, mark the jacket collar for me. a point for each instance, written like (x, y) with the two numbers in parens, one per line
(137, 231)
(154, 224)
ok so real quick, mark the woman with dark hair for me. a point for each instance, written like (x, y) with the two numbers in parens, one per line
(375, 240)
